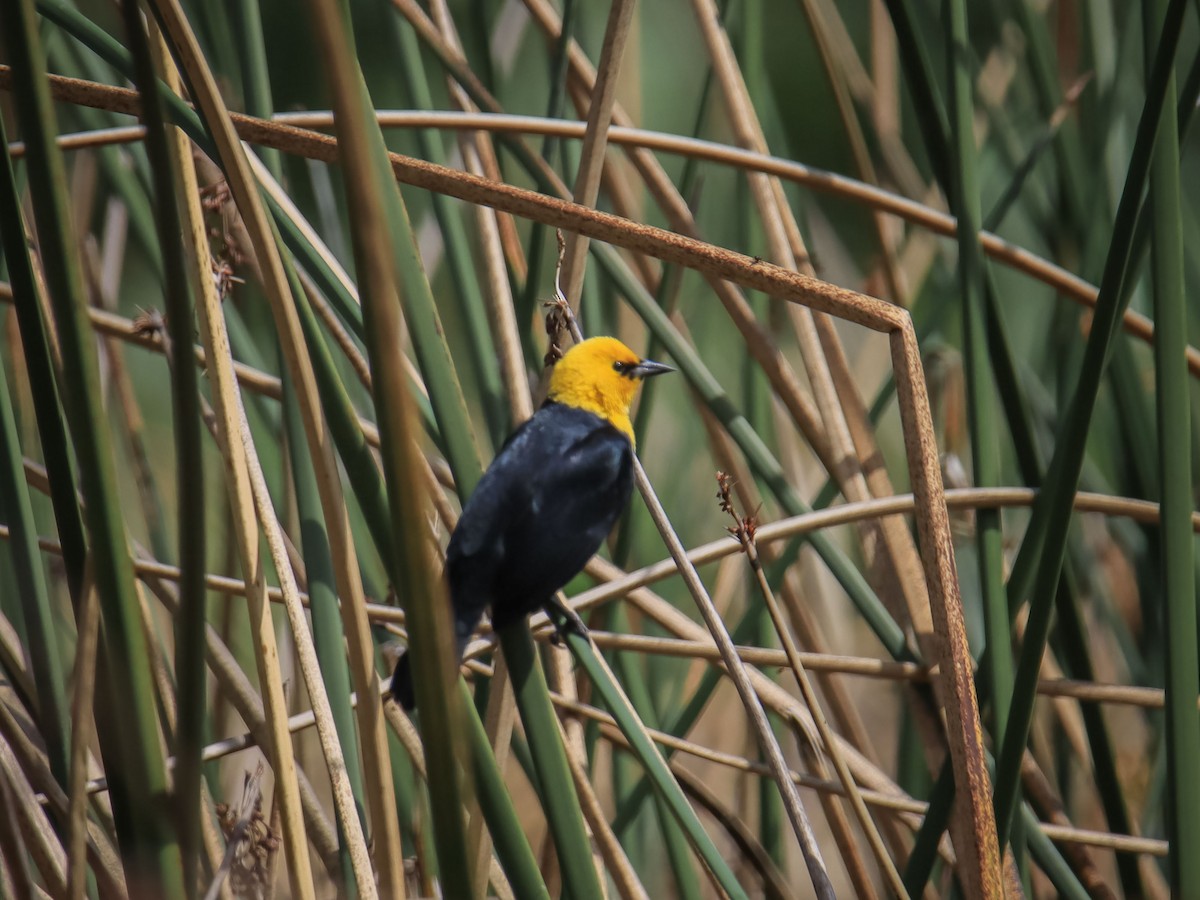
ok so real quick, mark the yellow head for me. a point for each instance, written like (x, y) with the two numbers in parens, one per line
(601, 375)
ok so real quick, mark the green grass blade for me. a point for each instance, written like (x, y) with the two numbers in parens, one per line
(256, 80)
(189, 624)
(141, 795)
(45, 661)
(1176, 576)
(674, 838)
(928, 106)
(555, 107)
(42, 379)
(458, 251)
(1053, 511)
(659, 774)
(380, 222)
(508, 837)
(985, 437)
(1051, 861)
(328, 635)
(40, 620)
(366, 481)
(682, 723)
(559, 799)
(937, 816)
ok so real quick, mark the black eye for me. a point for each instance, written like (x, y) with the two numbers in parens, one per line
(618, 366)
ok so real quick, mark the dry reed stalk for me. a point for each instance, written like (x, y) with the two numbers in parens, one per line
(234, 452)
(849, 721)
(376, 762)
(743, 531)
(891, 556)
(33, 826)
(501, 713)
(973, 823)
(595, 139)
(615, 862)
(276, 136)
(738, 673)
(235, 686)
(246, 534)
(82, 729)
(835, 57)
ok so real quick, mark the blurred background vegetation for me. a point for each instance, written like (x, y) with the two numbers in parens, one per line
(145, 690)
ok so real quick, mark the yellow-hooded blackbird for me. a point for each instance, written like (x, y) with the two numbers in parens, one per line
(549, 498)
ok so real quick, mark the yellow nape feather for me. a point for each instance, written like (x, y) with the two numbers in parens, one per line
(597, 375)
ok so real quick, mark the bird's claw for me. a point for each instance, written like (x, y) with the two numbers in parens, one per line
(570, 622)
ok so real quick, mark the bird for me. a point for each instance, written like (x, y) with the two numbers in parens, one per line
(548, 500)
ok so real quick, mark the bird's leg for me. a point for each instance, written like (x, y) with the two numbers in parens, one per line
(569, 622)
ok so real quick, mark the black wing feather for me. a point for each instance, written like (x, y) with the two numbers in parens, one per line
(541, 510)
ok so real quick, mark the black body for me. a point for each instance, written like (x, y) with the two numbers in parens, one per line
(539, 513)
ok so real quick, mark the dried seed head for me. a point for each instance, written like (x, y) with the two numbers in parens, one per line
(215, 196)
(744, 527)
(724, 487)
(149, 323)
(254, 844)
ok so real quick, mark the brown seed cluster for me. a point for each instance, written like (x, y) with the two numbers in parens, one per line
(559, 317)
(226, 255)
(743, 527)
(558, 328)
(255, 845)
(149, 323)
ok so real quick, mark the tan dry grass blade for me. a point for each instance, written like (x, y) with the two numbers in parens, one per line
(893, 567)
(839, 68)
(97, 847)
(377, 769)
(973, 823)
(235, 686)
(741, 679)
(1070, 285)
(478, 153)
(499, 721)
(36, 832)
(595, 139)
(498, 296)
(234, 453)
(376, 761)
(481, 145)
(320, 306)
(82, 727)
(745, 534)
(629, 886)
(817, 870)
(227, 403)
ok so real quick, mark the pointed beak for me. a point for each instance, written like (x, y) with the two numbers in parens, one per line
(648, 367)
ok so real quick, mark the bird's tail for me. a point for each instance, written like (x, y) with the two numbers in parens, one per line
(402, 686)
